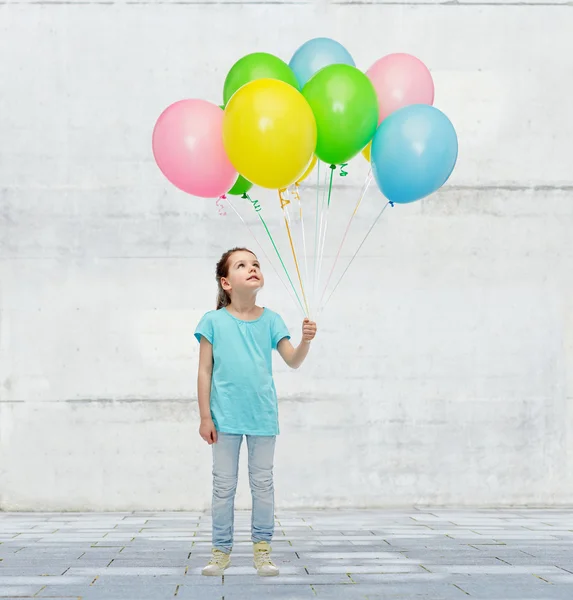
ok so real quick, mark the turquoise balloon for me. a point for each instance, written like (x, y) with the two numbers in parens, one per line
(414, 152)
(316, 54)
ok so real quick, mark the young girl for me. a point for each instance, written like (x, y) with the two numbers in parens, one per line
(237, 397)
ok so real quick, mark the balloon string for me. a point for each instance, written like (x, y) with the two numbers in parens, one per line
(343, 173)
(257, 208)
(367, 182)
(294, 299)
(316, 234)
(284, 203)
(326, 213)
(256, 204)
(332, 168)
(355, 254)
(322, 213)
(220, 206)
(296, 195)
(318, 239)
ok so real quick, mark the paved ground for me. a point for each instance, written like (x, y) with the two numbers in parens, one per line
(350, 555)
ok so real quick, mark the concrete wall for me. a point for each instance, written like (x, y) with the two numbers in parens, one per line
(443, 369)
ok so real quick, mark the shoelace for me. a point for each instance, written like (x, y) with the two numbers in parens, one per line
(264, 557)
(217, 558)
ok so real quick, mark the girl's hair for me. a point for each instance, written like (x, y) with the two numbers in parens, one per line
(223, 299)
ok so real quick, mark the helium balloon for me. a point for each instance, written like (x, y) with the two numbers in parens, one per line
(400, 80)
(188, 148)
(414, 152)
(269, 133)
(258, 65)
(241, 186)
(309, 170)
(316, 54)
(345, 106)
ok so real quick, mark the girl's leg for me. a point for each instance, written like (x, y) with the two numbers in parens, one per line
(261, 459)
(225, 472)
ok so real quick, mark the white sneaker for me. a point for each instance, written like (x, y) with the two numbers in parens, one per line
(218, 563)
(263, 563)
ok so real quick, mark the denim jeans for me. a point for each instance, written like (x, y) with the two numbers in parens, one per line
(225, 473)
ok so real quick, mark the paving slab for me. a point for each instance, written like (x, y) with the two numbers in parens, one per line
(18, 590)
(414, 554)
(270, 592)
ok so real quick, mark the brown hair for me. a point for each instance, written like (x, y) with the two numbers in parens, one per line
(222, 270)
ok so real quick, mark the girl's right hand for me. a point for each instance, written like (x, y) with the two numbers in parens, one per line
(207, 431)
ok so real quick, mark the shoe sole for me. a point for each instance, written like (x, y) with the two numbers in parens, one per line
(218, 573)
(263, 574)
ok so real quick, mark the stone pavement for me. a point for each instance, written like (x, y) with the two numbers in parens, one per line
(428, 554)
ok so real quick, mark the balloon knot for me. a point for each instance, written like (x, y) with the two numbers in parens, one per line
(245, 196)
(333, 167)
(391, 203)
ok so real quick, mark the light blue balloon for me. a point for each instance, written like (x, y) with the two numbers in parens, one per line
(414, 152)
(316, 54)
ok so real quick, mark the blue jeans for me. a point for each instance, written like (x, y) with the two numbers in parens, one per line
(225, 473)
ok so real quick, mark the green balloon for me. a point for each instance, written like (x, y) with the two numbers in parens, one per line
(345, 107)
(242, 186)
(258, 65)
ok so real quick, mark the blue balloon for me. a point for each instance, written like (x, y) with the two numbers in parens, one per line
(414, 152)
(316, 54)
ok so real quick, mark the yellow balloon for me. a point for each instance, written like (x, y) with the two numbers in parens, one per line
(308, 169)
(366, 151)
(269, 133)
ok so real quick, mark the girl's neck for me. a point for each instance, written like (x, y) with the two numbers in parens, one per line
(244, 306)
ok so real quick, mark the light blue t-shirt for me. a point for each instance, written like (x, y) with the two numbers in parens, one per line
(243, 394)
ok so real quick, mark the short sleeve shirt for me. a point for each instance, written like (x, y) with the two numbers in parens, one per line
(243, 394)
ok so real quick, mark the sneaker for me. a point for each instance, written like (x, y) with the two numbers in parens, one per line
(218, 563)
(263, 563)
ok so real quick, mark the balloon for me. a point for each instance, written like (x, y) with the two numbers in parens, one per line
(269, 133)
(242, 186)
(366, 151)
(258, 65)
(188, 148)
(346, 110)
(414, 153)
(308, 170)
(317, 54)
(400, 80)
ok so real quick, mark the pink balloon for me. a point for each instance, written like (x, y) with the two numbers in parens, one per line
(188, 148)
(400, 80)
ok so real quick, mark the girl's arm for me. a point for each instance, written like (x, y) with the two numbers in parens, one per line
(207, 428)
(294, 357)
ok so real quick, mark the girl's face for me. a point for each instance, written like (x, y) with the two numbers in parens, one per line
(244, 274)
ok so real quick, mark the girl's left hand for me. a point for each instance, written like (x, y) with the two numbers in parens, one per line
(308, 330)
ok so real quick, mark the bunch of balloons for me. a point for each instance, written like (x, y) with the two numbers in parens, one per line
(277, 119)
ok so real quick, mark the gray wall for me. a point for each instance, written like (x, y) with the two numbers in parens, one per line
(443, 369)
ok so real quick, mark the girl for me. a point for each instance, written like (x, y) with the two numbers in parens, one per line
(237, 397)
